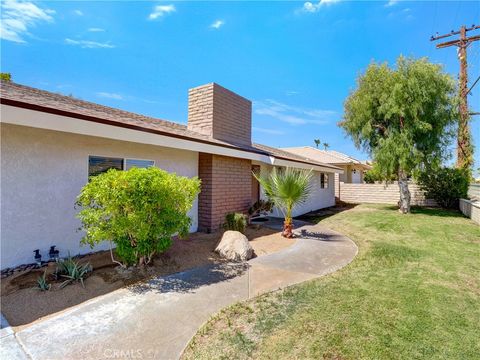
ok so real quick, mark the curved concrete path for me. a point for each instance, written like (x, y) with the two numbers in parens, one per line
(156, 320)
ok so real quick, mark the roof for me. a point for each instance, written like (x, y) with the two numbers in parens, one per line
(40, 100)
(326, 156)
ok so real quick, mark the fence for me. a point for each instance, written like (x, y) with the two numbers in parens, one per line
(474, 191)
(380, 194)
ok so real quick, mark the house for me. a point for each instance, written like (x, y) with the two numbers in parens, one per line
(50, 144)
(353, 169)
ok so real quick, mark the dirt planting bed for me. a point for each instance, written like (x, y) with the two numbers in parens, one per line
(22, 302)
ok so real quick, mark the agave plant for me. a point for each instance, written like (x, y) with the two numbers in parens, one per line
(73, 271)
(42, 283)
(286, 189)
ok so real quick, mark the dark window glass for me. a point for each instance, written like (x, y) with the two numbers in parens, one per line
(129, 163)
(323, 181)
(100, 164)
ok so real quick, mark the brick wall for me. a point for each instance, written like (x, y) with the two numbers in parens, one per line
(226, 187)
(220, 114)
(380, 194)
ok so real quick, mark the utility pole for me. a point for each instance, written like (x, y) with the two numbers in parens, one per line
(464, 140)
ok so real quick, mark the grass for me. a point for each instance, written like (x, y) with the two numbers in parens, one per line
(412, 292)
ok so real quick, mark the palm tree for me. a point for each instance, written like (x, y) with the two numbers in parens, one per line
(317, 142)
(326, 145)
(286, 189)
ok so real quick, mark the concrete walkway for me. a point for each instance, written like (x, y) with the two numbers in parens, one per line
(156, 320)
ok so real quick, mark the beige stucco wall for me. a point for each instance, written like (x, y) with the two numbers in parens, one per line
(319, 198)
(348, 176)
(381, 194)
(42, 172)
(471, 209)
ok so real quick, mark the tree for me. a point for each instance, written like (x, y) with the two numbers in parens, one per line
(326, 146)
(403, 117)
(6, 77)
(317, 142)
(139, 210)
(286, 188)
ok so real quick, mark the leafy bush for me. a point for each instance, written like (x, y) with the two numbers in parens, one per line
(445, 185)
(139, 210)
(42, 283)
(73, 271)
(236, 222)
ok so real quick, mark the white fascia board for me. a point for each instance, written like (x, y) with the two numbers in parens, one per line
(37, 119)
(298, 165)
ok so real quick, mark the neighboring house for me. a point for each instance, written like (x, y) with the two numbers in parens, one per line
(50, 144)
(353, 169)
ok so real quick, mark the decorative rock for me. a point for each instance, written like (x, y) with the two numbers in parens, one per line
(234, 246)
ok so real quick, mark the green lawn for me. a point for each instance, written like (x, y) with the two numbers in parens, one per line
(412, 292)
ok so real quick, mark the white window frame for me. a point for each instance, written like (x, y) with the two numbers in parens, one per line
(326, 180)
(124, 161)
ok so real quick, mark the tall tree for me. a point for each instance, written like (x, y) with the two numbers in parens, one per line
(317, 142)
(326, 146)
(402, 117)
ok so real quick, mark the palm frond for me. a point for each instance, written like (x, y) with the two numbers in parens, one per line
(286, 188)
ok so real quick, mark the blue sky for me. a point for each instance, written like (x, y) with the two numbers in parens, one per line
(296, 61)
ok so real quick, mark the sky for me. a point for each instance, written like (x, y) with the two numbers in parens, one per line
(297, 61)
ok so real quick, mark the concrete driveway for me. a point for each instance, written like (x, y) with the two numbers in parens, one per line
(156, 320)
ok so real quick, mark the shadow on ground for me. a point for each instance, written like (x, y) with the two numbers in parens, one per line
(316, 216)
(436, 212)
(317, 235)
(190, 280)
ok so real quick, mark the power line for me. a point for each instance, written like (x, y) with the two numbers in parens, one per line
(464, 146)
(474, 83)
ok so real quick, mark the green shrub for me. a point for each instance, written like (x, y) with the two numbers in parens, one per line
(236, 222)
(42, 283)
(445, 185)
(139, 210)
(73, 271)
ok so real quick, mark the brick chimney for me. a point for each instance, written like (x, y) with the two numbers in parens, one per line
(220, 113)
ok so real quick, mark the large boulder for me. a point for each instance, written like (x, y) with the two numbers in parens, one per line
(234, 246)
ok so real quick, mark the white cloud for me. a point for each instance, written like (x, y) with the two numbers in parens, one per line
(161, 10)
(293, 115)
(86, 44)
(268, 131)
(391, 3)
(18, 16)
(405, 14)
(93, 29)
(108, 95)
(314, 7)
(291, 93)
(78, 12)
(217, 24)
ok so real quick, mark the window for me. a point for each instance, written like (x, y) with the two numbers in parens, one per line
(101, 164)
(129, 163)
(323, 181)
